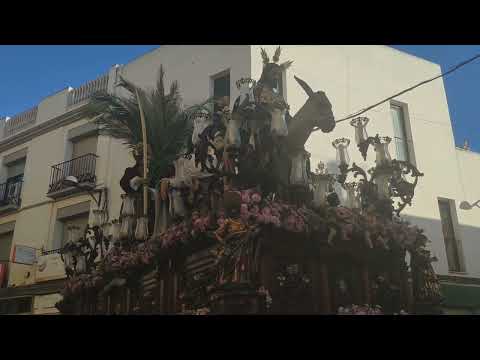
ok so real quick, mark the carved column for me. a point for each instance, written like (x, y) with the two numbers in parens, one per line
(321, 288)
(365, 278)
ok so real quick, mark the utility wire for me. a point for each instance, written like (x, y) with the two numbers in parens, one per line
(456, 67)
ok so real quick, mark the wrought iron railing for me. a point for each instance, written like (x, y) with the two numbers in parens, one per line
(84, 92)
(82, 168)
(53, 251)
(10, 193)
(21, 121)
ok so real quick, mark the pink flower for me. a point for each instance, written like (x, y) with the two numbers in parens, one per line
(198, 225)
(244, 213)
(343, 213)
(256, 198)
(266, 211)
(245, 198)
(254, 210)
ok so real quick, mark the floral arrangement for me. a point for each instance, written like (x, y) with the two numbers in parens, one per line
(339, 223)
(79, 284)
(200, 311)
(364, 310)
(118, 262)
(121, 261)
(375, 232)
(360, 310)
(257, 210)
(174, 234)
(184, 230)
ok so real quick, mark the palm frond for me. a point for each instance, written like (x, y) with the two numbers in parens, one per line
(207, 105)
(276, 56)
(287, 64)
(169, 127)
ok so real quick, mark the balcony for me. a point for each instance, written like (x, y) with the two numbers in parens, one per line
(82, 168)
(20, 122)
(82, 94)
(10, 195)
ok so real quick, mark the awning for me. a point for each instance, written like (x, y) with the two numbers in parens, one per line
(49, 287)
(461, 295)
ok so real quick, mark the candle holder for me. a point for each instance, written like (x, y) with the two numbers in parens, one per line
(116, 226)
(361, 136)
(321, 183)
(98, 218)
(383, 157)
(377, 187)
(126, 227)
(141, 231)
(128, 205)
(299, 173)
(353, 200)
(341, 145)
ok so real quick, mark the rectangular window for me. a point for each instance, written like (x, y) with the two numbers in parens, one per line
(400, 133)
(451, 244)
(221, 88)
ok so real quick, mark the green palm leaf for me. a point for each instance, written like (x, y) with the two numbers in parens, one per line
(169, 127)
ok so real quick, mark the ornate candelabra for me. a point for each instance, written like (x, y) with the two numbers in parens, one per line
(380, 185)
(83, 251)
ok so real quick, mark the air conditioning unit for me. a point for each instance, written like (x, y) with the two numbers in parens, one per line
(49, 267)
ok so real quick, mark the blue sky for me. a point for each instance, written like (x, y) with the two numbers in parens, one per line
(461, 86)
(30, 73)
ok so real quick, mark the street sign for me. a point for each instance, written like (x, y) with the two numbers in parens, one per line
(24, 255)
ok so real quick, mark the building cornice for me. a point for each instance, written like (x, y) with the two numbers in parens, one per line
(42, 128)
(461, 280)
(469, 152)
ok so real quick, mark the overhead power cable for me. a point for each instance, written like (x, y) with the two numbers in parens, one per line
(456, 67)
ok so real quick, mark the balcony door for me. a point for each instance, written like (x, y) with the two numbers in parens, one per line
(454, 259)
(10, 193)
(81, 164)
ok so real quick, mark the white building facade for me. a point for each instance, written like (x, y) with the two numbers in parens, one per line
(353, 77)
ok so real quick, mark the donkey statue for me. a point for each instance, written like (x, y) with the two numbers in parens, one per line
(315, 113)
